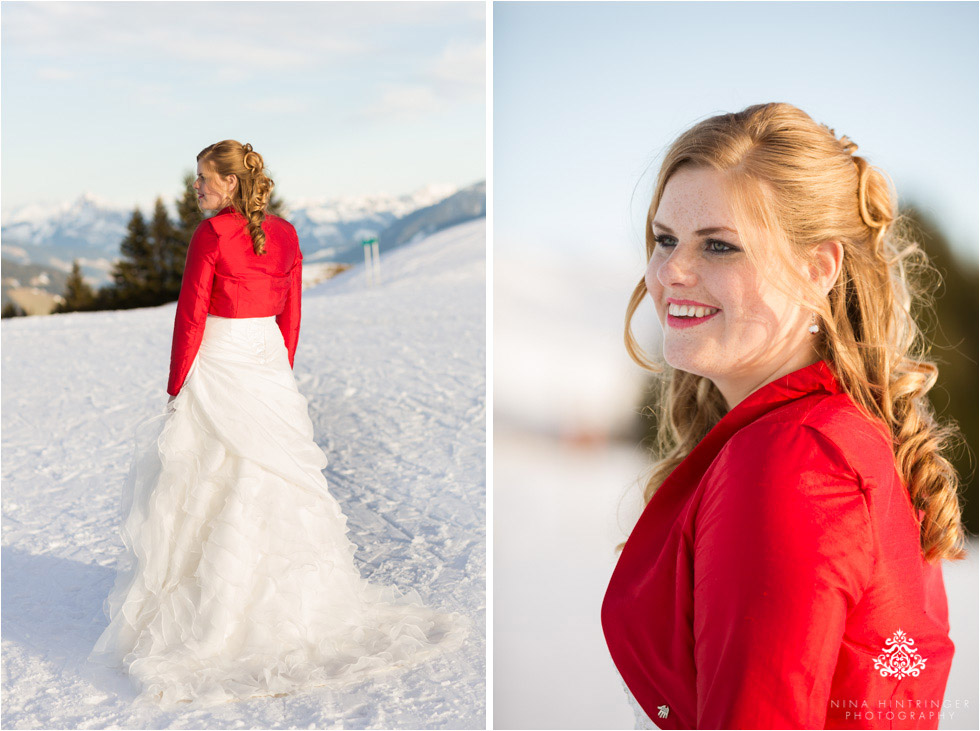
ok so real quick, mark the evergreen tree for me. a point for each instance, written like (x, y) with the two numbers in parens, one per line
(952, 330)
(133, 274)
(78, 294)
(107, 298)
(11, 310)
(169, 254)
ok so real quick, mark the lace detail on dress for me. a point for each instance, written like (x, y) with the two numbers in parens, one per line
(641, 719)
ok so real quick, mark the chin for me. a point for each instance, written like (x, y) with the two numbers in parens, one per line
(684, 359)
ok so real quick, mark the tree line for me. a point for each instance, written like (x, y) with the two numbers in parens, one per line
(152, 256)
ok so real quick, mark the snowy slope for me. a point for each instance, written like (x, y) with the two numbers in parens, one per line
(395, 377)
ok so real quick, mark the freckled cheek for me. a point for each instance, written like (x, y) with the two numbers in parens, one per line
(654, 288)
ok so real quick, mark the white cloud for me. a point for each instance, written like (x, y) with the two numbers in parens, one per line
(457, 75)
(228, 39)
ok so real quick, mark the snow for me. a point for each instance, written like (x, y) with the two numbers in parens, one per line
(555, 533)
(395, 377)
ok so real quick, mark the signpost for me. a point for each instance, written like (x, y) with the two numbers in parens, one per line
(372, 260)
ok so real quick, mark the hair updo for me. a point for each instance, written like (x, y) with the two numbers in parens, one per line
(791, 181)
(251, 195)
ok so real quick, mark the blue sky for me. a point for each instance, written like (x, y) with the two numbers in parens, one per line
(586, 95)
(117, 98)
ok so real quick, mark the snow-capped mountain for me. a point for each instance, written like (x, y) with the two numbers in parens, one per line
(463, 205)
(90, 228)
(52, 234)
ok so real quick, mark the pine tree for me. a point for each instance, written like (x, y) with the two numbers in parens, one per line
(134, 272)
(951, 329)
(11, 310)
(78, 294)
(169, 254)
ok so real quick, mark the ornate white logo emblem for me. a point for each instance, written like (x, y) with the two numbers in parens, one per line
(900, 658)
(662, 711)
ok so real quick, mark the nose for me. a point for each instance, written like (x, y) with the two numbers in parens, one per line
(677, 269)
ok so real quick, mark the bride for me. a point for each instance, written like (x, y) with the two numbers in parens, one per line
(237, 578)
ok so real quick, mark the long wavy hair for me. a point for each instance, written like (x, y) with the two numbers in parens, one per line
(792, 184)
(254, 189)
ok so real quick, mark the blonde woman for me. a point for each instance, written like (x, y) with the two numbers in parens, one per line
(238, 578)
(785, 572)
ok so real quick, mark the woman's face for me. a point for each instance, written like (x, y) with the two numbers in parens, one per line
(212, 192)
(721, 318)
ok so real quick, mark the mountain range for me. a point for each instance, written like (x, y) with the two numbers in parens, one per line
(90, 228)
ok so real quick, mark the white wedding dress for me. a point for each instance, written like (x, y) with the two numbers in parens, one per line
(238, 578)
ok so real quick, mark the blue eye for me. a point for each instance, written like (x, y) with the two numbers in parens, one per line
(719, 247)
(712, 246)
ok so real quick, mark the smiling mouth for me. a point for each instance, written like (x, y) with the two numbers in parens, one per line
(682, 316)
(693, 311)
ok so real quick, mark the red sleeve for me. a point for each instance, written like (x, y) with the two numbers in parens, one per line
(288, 319)
(783, 548)
(193, 303)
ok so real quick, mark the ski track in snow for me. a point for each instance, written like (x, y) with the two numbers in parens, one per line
(395, 376)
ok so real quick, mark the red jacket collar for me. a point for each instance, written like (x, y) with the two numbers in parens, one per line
(814, 378)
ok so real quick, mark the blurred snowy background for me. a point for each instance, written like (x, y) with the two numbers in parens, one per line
(586, 95)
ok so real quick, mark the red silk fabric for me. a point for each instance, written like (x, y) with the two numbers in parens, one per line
(224, 276)
(775, 579)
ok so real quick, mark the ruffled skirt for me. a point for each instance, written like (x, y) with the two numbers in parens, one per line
(237, 577)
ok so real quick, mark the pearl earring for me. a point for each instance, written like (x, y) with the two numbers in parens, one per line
(814, 329)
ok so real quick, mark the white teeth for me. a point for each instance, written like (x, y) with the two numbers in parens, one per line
(690, 310)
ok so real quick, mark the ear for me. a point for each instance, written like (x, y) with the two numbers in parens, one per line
(231, 181)
(825, 264)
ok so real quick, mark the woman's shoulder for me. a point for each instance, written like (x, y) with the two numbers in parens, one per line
(280, 223)
(829, 435)
(229, 222)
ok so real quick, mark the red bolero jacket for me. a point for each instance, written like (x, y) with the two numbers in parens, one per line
(224, 276)
(775, 580)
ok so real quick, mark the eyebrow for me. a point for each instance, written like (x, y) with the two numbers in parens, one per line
(700, 231)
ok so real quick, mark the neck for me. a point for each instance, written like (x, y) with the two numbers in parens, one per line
(734, 391)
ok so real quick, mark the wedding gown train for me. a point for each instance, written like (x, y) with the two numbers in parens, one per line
(237, 577)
